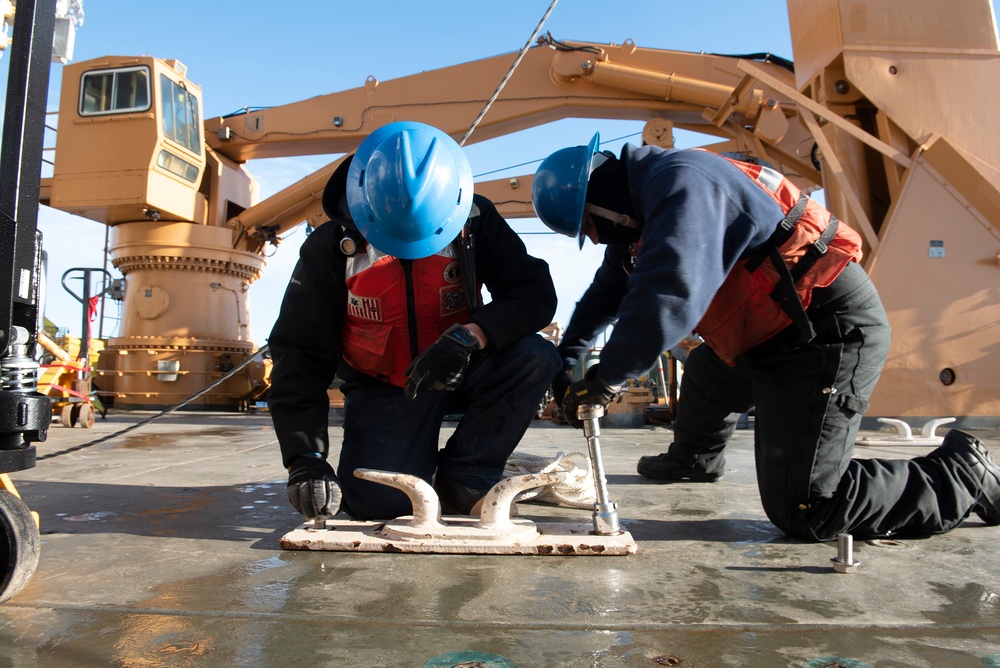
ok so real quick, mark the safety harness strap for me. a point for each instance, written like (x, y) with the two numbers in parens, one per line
(784, 292)
(780, 235)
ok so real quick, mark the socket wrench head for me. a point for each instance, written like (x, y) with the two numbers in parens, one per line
(606, 519)
(589, 412)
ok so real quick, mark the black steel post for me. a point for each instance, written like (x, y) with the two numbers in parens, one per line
(24, 413)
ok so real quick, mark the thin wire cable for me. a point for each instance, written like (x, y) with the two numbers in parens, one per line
(510, 72)
(604, 142)
(239, 367)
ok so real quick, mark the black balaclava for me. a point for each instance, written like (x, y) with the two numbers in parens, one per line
(608, 189)
(334, 199)
(335, 207)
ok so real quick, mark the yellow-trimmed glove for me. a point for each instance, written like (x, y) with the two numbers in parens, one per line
(560, 384)
(587, 392)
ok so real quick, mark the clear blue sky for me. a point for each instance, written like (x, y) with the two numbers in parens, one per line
(254, 53)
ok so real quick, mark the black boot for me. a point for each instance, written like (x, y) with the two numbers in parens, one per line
(959, 445)
(669, 467)
(456, 498)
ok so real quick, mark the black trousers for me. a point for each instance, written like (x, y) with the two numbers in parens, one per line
(384, 430)
(809, 399)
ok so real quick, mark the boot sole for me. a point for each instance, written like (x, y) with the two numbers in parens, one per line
(673, 477)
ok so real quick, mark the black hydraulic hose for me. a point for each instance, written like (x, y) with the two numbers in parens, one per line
(765, 57)
(229, 374)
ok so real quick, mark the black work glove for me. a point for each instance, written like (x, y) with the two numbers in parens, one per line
(313, 488)
(560, 384)
(587, 392)
(442, 366)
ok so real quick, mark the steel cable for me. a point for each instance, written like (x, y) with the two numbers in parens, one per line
(510, 72)
(229, 374)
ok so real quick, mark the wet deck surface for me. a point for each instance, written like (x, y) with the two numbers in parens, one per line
(160, 548)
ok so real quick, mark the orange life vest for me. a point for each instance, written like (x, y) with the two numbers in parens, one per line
(770, 290)
(396, 309)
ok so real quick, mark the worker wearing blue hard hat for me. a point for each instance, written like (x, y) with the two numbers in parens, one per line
(387, 297)
(793, 328)
(559, 188)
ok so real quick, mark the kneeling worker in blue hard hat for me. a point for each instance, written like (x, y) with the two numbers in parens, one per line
(793, 328)
(387, 296)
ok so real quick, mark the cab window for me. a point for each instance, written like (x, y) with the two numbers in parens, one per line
(180, 115)
(114, 91)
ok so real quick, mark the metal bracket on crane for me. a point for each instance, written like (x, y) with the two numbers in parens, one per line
(904, 435)
(427, 531)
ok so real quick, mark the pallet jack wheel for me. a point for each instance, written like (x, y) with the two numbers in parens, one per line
(66, 416)
(20, 544)
(86, 416)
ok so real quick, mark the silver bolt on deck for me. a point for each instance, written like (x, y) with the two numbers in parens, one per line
(844, 562)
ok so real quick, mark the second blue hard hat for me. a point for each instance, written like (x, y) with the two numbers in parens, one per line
(559, 189)
(409, 189)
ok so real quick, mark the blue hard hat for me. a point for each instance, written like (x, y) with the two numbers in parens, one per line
(409, 189)
(559, 190)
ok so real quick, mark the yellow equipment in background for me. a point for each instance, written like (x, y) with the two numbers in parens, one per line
(64, 380)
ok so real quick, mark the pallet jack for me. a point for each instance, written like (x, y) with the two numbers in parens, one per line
(493, 532)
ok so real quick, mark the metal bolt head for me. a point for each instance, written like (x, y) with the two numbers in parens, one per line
(845, 567)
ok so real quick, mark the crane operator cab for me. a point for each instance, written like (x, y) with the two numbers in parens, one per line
(151, 114)
(131, 154)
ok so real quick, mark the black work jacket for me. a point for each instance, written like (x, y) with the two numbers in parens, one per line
(303, 342)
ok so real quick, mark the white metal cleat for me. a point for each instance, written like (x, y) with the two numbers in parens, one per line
(904, 435)
(427, 531)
